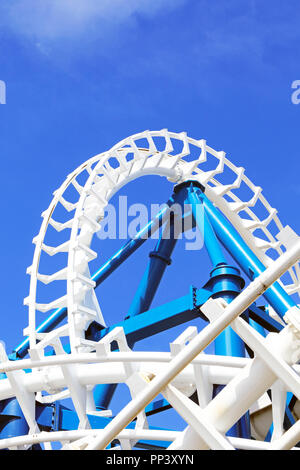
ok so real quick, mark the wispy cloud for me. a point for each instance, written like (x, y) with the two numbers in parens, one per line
(218, 29)
(59, 19)
(240, 41)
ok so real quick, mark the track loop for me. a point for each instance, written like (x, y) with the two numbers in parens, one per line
(172, 155)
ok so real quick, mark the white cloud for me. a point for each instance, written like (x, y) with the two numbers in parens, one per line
(58, 19)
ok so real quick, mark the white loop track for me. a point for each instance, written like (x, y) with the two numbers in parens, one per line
(172, 155)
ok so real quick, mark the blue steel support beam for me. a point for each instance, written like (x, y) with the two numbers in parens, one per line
(160, 318)
(172, 314)
(260, 329)
(261, 320)
(154, 321)
(160, 258)
(225, 282)
(212, 245)
(228, 342)
(245, 258)
(12, 421)
(131, 246)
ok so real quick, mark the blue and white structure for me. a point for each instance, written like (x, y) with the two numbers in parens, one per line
(56, 387)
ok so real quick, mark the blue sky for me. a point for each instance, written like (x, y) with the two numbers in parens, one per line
(83, 74)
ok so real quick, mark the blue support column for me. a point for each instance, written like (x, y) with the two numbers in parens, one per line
(160, 258)
(245, 258)
(225, 282)
(260, 329)
(12, 421)
(212, 245)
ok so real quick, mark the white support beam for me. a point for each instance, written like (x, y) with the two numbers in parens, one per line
(289, 439)
(78, 392)
(278, 392)
(203, 386)
(25, 398)
(265, 348)
(194, 416)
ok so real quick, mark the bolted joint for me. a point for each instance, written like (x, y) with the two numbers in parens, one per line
(156, 254)
(225, 279)
(190, 185)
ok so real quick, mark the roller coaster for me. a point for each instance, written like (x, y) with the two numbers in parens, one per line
(57, 386)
